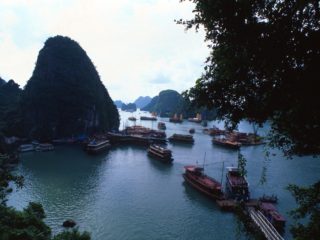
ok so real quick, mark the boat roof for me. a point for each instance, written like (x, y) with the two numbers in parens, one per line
(193, 168)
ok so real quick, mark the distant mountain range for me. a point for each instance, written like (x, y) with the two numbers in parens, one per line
(118, 103)
(140, 102)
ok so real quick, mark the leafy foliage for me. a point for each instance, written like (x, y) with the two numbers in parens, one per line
(65, 95)
(72, 235)
(263, 65)
(10, 114)
(309, 206)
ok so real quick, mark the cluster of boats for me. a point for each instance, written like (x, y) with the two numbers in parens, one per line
(237, 190)
(38, 147)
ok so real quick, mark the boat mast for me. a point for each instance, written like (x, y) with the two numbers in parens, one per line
(222, 172)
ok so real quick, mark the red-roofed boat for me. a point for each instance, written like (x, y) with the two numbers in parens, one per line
(195, 176)
(237, 185)
(273, 216)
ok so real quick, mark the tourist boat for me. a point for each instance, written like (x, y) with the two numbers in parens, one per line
(26, 148)
(181, 138)
(148, 118)
(44, 147)
(226, 143)
(162, 126)
(214, 131)
(176, 119)
(197, 119)
(192, 130)
(195, 176)
(96, 146)
(132, 119)
(236, 185)
(161, 153)
(273, 216)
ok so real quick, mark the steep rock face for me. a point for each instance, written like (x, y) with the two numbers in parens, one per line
(118, 103)
(65, 95)
(131, 107)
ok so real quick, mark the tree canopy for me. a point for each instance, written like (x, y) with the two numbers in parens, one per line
(263, 65)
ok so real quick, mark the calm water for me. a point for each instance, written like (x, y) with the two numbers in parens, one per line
(123, 194)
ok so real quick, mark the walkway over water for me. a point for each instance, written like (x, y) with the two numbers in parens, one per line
(266, 227)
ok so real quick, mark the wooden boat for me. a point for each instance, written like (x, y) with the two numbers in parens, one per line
(176, 119)
(148, 118)
(181, 138)
(195, 176)
(236, 185)
(226, 143)
(132, 119)
(44, 147)
(161, 153)
(273, 216)
(96, 146)
(26, 148)
(162, 126)
(197, 119)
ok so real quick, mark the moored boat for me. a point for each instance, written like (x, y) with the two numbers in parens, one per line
(162, 126)
(236, 185)
(226, 143)
(195, 176)
(96, 146)
(273, 216)
(161, 153)
(181, 138)
(176, 119)
(26, 148)
(148, 118)
(44, 147)
(132, 119)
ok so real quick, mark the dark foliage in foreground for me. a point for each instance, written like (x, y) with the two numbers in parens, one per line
(263, 65)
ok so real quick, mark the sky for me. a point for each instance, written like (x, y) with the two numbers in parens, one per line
(136, 46)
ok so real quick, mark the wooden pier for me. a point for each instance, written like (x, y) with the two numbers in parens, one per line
(265, 226)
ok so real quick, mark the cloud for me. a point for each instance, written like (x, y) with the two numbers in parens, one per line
(133, 44)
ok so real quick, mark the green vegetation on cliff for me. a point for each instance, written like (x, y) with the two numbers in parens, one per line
(167, 103)
(10, 114)
(65, 95)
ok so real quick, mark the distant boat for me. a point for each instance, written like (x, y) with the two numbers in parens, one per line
(197, 119)
(181, 138)
(96, 146)
(192, 130)
(226, 143)
(176, 119)
(209, 186)
(44, 147)
(26, 148)
(237, 185)
(148, 118)
(162, 126)
(161, 153)
(132, 119)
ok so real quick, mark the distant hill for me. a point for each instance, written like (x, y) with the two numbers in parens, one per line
(64, 96)
(141, 102)
(118, 103)
(167, 103)
(170, 102)
(130, 107)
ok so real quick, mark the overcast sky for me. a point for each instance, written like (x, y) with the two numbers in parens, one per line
(135, 45)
